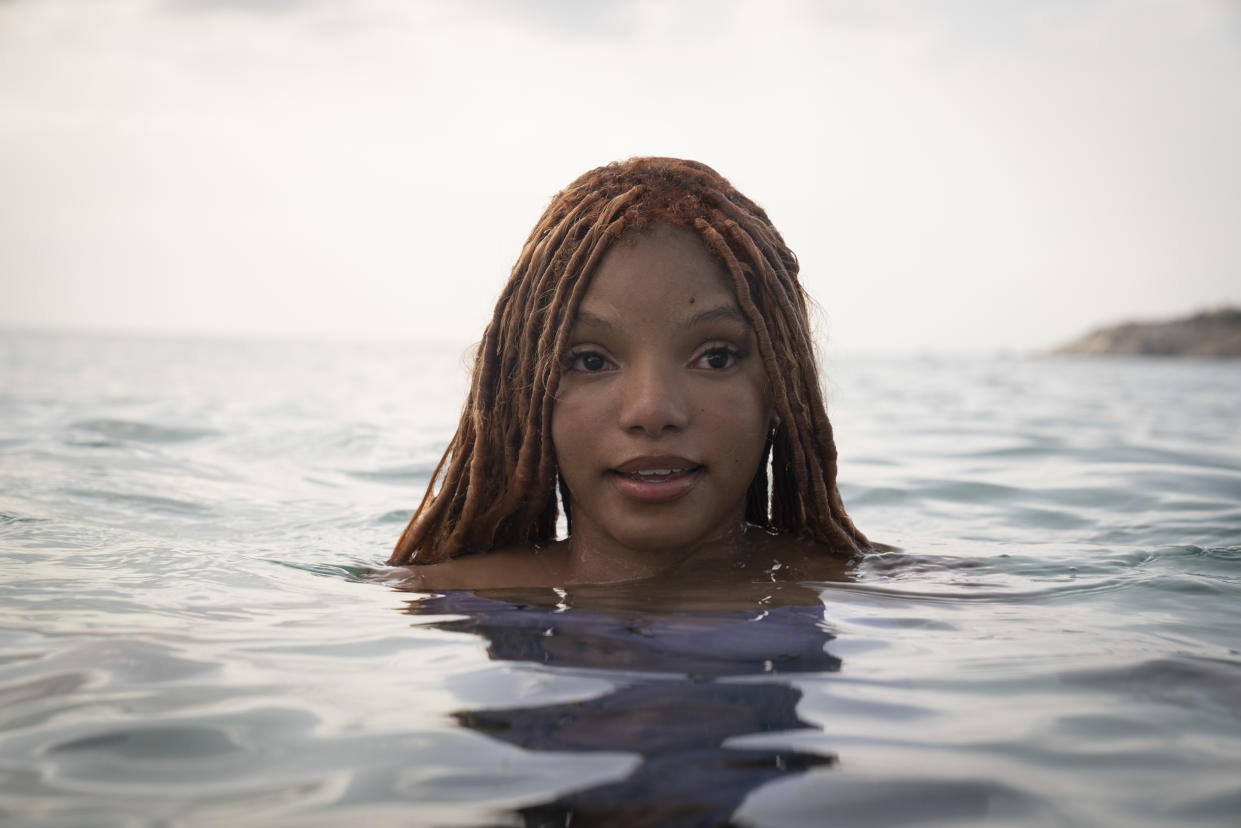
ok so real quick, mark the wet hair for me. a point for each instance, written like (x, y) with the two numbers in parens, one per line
(497, 480)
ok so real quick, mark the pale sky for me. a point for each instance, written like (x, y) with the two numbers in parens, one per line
(955, 175)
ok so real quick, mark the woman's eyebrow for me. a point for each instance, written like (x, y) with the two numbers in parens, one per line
(725, 313)
(585, 317)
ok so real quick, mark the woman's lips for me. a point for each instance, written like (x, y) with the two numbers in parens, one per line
(656, 479)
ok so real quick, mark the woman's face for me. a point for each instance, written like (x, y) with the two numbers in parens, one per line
(663, 407)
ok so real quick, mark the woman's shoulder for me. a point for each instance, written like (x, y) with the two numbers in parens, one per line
(777, 556)
(516, 566)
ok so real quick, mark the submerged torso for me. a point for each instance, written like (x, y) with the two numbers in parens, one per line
(734, 570)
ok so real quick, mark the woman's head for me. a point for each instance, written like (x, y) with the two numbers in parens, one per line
(496, 484)
(664, 407)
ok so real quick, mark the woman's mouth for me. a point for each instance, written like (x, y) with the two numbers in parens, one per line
(656, 479)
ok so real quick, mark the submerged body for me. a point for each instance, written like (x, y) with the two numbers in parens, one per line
(737, 571)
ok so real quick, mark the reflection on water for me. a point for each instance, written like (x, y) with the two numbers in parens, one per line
(685, 683)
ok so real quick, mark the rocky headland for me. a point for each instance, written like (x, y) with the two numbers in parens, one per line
(1213, 333)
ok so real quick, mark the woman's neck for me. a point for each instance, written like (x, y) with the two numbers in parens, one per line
(600, 560)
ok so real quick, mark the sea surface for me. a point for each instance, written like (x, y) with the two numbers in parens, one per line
(191, 633)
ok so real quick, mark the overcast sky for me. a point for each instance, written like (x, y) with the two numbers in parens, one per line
(953, 174)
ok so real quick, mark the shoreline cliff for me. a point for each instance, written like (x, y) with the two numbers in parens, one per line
(1214, 333)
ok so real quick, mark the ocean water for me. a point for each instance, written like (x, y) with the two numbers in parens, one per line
(189, 634)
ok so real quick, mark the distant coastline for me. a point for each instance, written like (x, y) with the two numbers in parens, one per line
(1212, 333)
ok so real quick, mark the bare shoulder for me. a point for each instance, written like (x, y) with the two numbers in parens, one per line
(518, 566)
(761, 556)
(797, 558)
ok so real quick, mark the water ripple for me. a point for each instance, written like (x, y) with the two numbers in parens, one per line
(142, 432)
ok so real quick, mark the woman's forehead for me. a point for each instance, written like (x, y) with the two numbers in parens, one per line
(668, 265)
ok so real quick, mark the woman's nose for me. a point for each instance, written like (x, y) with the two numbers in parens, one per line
(654, 398)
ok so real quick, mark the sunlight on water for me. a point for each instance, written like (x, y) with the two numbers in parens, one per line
(190, 630)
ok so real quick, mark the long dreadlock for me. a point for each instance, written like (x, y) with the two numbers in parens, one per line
(497, 479)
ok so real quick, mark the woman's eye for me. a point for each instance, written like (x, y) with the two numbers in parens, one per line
(719, 358)
(589, 362)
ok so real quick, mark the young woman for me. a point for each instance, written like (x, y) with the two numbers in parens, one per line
(650, 357)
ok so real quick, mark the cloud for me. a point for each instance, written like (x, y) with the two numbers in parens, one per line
(570, 17)
(560, 18)
(256, 7)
